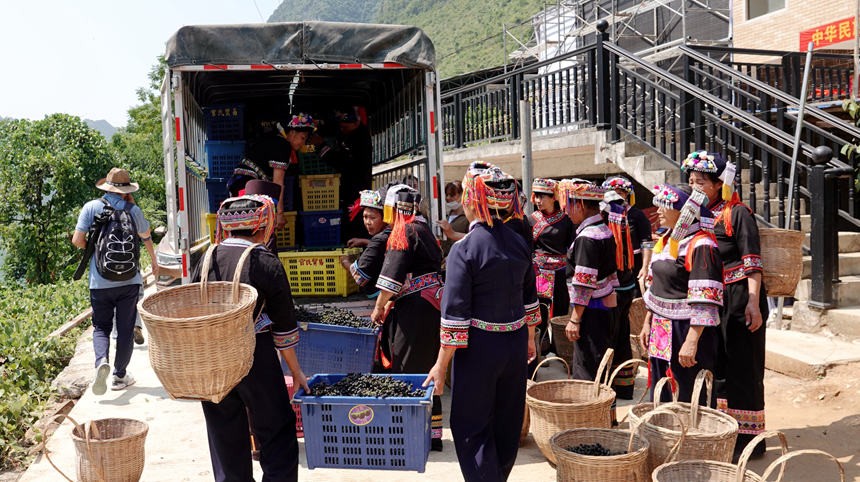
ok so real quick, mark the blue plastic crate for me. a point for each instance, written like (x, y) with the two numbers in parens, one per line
(222, 157)
(365, 432)
(330, 348)
(321, 228)
(224, 122)
(217, 189)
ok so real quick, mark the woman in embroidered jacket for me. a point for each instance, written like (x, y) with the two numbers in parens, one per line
(742, 342)
(592, 276)
(410, 281)
(685, 292)
(489, 310)
(250, 220)
(365, 270)
(553, 233)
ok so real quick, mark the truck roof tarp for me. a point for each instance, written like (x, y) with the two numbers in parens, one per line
(300, 43)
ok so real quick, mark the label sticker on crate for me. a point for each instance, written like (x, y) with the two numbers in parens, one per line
(335, 221)
(360, 415)
(322, 220)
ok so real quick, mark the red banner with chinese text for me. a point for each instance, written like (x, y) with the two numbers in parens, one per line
(828, 34)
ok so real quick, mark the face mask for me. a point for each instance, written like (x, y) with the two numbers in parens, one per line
(452, 206)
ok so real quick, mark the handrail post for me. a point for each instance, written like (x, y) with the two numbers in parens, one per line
(459, 123)
(516, 96)
(601, 59)
(823, 233)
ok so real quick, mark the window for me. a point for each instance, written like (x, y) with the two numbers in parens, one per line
(757, 8)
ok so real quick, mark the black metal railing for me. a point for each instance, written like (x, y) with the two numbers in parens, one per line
(830, 74)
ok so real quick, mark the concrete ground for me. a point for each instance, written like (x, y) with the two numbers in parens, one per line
(822, 414)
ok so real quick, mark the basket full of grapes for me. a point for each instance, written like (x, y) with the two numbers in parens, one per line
(366, 421)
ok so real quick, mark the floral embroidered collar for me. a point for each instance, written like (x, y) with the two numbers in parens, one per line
(597, 218)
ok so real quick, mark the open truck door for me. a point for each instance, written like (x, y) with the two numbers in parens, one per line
(301, 67)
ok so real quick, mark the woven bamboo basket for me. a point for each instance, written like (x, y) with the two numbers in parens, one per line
(711, 471)
(638, 310)
(563, 347)
(780, 463)
(108, 450)
(524, 431)
(201, 335)
(781, 259)
(630, 466)
(558, 405)
(529, 383)
(711, 434)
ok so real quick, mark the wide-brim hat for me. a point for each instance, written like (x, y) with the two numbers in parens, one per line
(117, 181)
(271, 189)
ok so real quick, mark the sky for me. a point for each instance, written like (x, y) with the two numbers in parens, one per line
(88, 57)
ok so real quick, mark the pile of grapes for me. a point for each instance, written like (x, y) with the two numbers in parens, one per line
(332, 316)
(594, 449)
(358, 385)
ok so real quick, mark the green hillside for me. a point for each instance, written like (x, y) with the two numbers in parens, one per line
(458, 28)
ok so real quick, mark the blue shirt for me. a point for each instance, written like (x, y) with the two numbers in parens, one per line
(85, 220)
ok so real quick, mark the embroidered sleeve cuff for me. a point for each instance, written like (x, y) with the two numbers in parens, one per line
(533, 315)
(279, 165)
(585, 277)
(752, 264)
(285, 340)
(579, 295)
(705, 291)
(704, 315)
(388, 284)
(358, 275)
(454, 338)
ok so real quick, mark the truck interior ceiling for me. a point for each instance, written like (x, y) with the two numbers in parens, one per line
(387, 95)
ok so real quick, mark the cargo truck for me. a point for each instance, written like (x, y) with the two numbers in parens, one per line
(259, 71)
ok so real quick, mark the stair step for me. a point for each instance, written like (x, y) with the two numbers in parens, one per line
(849, 242)
(845, 293)
(806, 355)
(774, 205)
(849, 264)
(805, 221)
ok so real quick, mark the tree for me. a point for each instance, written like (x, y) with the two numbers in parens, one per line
(48, 169)
(137, 147)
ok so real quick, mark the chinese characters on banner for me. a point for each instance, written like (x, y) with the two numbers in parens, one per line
(829, 34)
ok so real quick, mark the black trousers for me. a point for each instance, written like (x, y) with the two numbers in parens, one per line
(264, 393)
(592, 343)
(706, 358)
(741, 362)
(619, 335)
(107, 303)
(487, 403)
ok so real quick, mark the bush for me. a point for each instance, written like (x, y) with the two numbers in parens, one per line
(28, 361)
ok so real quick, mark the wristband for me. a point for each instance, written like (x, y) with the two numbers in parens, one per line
(148, 238)
(574, 322)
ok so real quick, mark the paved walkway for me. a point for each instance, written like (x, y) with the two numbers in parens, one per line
(177, 450)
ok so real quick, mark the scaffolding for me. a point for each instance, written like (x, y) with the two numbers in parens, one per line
(645, 27)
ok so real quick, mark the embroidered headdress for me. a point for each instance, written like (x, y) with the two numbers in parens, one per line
(254, 218)
(714, 163)
(622, 183)
(544, 186)
(400, 209)
(691, 206)
(369, 198)
(486, 188)
(616, 212)
(578, 189)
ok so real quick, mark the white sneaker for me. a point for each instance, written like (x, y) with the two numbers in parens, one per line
(120, 383)
(100, 383)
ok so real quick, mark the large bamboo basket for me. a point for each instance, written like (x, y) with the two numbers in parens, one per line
(780, 463)
(558, 405)
(711, 471)
(201, 335)
(781, 259)
(529, 383)
(711, 434)
(631, 466)
(107, 450)
(563, 347)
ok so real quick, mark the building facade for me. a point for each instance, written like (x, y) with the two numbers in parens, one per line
(786, 24)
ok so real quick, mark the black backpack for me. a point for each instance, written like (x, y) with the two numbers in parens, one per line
(117, 248)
